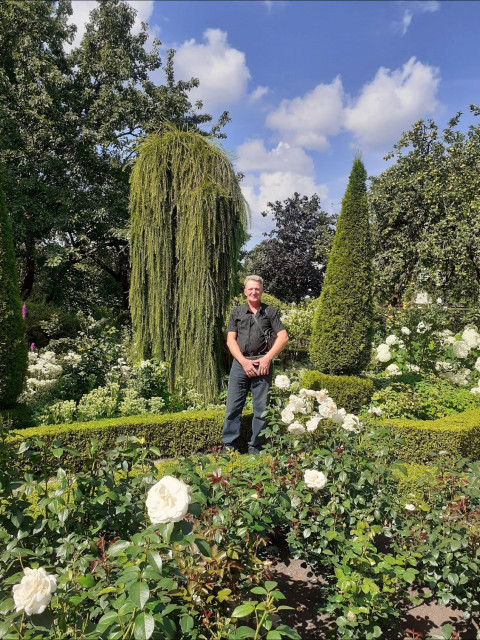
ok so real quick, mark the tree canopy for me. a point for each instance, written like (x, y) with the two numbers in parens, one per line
(425, 213)
(68, 125)
(292, 259)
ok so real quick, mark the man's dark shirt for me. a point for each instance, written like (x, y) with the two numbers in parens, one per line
(250, 337)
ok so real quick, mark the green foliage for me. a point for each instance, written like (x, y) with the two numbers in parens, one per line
(13, 346)
(119, 575)
(425, 210)
(173, 434)
(289, 259)
(347, 391)
(188, 224)
(341, 334)
(68, 121)
(423, 399)
(422, 440)
(46, 322)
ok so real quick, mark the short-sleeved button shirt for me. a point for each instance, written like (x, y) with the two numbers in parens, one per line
(250, 336)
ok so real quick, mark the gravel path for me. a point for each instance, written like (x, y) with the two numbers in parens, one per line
(301, 594)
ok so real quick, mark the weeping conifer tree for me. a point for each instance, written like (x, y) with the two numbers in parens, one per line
(188, 221)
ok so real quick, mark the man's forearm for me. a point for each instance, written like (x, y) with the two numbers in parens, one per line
(278, 345)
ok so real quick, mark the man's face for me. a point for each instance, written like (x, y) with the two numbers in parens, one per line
(253, 290)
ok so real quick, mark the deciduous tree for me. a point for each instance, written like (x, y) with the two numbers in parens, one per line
(292, 259)
(426, 215)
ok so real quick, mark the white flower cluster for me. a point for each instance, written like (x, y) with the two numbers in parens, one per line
(71, 358)
(317, 406)
(42, 374)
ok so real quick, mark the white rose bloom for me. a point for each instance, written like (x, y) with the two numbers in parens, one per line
(410, 507)
(471, 336)
(168, 500)
(282, 382)
(321, 396)
(307, 393)
(34, 591)
(339, 416)
(393, 370)
(351, 423)
(328, 408)
(296, 428)
(375, 411)
(392, 339)
(314, 479)
(297, 404)
(383, 353)
(422, 327)
(461, 349)
(287, 415)
(405, 331)
(312, 424)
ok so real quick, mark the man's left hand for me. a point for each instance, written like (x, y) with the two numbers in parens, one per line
(263, 365)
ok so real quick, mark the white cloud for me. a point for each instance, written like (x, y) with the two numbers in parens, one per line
(307, 121)
(274, 175)
(277, 185)
(82, 9)
(415, 7)
(253, 156)
(221, 69)
(258, 93)
(391, 102)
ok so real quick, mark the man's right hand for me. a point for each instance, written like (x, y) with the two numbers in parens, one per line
(250, 369)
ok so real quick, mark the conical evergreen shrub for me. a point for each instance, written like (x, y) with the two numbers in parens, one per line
(188, 220)
(342, 325)
(13, 346)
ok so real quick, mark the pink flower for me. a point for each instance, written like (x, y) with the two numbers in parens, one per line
(32, 347)
(24, 311)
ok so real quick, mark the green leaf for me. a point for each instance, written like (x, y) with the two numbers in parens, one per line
(118, 547)
(155, 560)
(258, 591)
(107, 619)
(86, 581)
(144, 626)
(243, 610)
(244, 632)
(274, 635)
(203, 547)
(139, 594)
(186, 623)
(447, 631)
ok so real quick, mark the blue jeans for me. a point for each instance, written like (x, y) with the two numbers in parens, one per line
(238, 387)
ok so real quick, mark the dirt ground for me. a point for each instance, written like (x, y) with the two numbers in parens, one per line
(301, 594)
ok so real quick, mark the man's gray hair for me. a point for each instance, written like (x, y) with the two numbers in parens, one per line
(255, 279)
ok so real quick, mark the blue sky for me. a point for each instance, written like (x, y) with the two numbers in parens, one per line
(309, 83)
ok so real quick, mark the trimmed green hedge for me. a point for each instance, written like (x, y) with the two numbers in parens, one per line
(457, 434)
(174, 434)
(349, 392)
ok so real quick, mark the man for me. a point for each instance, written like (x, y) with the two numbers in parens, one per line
(252, 368)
